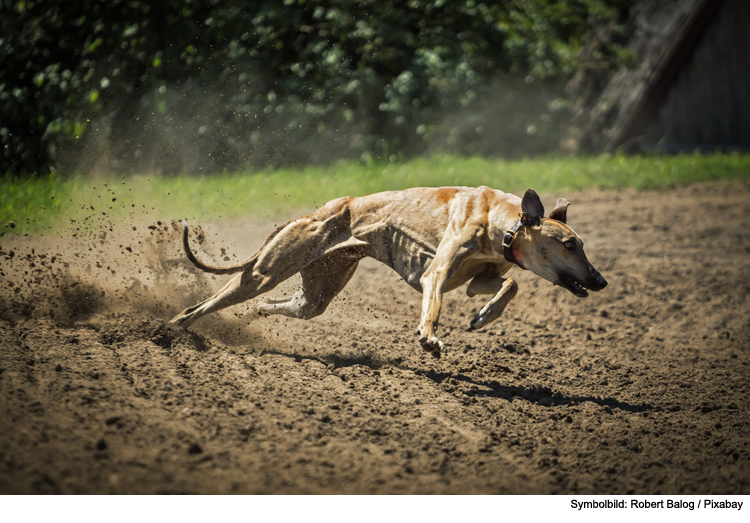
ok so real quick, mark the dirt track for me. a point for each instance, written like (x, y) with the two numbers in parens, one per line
(641, 388)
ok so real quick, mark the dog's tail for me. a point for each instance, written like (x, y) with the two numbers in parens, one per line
(231, 269)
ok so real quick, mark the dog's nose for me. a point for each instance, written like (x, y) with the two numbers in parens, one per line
(598, 280)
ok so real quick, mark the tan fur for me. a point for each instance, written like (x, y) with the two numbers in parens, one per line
(436, 239)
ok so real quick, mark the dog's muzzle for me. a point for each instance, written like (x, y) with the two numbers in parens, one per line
(595, 282)
(599, 281)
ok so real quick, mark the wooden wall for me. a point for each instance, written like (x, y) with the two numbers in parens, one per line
(708, 105)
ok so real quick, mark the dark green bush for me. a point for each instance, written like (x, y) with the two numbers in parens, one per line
(203, 86)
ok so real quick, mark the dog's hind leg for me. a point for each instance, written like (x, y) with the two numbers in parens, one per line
(287, 251)
(322, 280)
(242, 287)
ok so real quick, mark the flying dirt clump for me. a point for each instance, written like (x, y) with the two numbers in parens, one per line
(89, 276)
(43, 288)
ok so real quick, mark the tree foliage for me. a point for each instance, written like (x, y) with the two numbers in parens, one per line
(208, 85)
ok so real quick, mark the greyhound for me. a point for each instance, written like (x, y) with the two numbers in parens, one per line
(436, 239)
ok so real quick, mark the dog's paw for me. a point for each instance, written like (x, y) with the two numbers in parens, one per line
(432, 345)
(179, 321)
(481, 318)
(478, 322)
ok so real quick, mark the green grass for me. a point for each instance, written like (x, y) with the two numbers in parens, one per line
(43, 204)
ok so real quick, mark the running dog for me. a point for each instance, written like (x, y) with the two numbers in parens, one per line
(436, 239)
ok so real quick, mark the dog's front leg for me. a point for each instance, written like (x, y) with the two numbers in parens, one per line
(450, 253)
(495, 307)
(432, 299)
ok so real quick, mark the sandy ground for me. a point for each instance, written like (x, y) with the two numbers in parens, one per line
(641, 388)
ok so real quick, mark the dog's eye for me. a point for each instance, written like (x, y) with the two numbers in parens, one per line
(570, 244)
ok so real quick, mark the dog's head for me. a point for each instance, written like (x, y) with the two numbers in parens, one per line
(551, 249)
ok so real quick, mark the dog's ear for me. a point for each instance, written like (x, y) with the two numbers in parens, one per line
(560, 212)
(531, 206)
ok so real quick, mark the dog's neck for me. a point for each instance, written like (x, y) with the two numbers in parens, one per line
(500, 222)
(511, 241)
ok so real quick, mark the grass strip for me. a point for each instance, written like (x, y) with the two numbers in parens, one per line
(43, 204)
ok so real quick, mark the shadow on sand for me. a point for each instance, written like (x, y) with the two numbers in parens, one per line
(543, 396)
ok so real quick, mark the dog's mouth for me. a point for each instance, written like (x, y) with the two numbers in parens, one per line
(573, 286)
